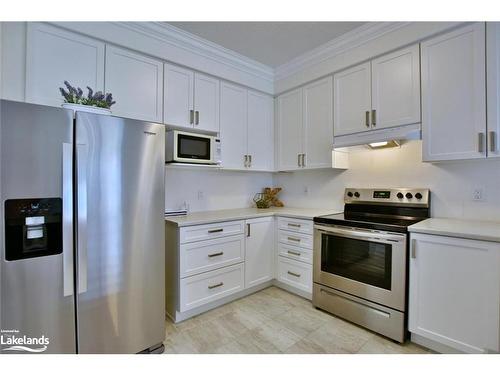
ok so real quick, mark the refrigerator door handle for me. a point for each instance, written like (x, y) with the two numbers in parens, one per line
(67, 201)
(81, 160)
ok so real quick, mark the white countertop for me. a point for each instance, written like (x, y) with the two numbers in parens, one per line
(472, 229)
(205, 217)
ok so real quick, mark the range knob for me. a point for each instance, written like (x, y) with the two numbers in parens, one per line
(356, 194)
(418, 196)
(400, 195)
(349, 194)
(409, 195)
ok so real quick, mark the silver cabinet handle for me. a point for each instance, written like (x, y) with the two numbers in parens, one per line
(293, 239)
(303, 160)
(67, 202)
(293, 274)
(492, 137)
(81, 160)
(248, 230)
(245, 163)
(293, 252)
(216, 254)
(298, 160)
(249, 160)
(196, 117)
(294, 225)
(480, 142)
(413, 248)
(374, 117)
(191, 116)
(215, 230)
(215, 285)
(367, 119)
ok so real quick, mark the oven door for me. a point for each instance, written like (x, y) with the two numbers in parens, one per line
(364, 263)
(193, 148)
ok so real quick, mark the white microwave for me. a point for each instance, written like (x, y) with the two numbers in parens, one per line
(185, 147)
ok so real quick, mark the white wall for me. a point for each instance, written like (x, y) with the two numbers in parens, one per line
(451, 183)
(220, 189)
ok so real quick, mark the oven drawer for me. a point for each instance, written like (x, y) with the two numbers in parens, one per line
(209, 231)
(210, 286)
(296, 274)
(295, 239)
(296, 225)
(295, 252)
(203, 256)
(381, 319)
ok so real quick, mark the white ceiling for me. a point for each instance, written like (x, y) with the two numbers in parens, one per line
(271, 43)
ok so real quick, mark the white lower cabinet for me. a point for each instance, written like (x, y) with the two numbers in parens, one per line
(259, 251)
(294, 273)
(455, 292)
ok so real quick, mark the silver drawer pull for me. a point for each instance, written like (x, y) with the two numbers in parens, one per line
(215, 254)
(294, 225)
(294, 274)
(293, 253)
(293, 239)
(215, 230)
(215, 285)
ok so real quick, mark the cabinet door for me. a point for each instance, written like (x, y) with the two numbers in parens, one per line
(455, 292)
(290, 130)
(233, 116)
(136, 82)
(318, 124)
(352, 100)
(259, 251)
(493, 84)
(453, 95)
(53, 56)
(206, 102)
(178, 92)
(260, 134)
(396, 88)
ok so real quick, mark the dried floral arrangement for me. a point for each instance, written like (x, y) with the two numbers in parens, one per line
(75, 95)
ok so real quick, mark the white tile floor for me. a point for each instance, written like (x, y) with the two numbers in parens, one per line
(275, 321)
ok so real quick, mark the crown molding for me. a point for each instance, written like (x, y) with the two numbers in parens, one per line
(182, 39)
(350, 40)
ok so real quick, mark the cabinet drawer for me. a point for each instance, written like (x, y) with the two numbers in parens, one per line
(208, 255)
(296, 274)
(209, 231)
(295, 239)
(295, 225)
(210, 286)
(295, 252)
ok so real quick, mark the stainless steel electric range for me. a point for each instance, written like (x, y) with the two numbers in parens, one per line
(360, 262)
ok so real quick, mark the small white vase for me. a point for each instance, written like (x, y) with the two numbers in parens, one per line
(86, 108)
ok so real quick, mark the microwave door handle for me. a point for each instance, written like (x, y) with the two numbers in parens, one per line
(67, 202)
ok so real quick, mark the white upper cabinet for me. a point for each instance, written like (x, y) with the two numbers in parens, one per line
(178, 96)
(396, 88)
(259, 251)
(136, 82)
(318, 124)
(53, 56)
(206, 102)
(352, 100)
(233, 126)
(453, 95)
(455, 292)
(290, 130)
(493, 85)
(260, 133)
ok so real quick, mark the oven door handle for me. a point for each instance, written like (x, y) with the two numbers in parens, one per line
(354, 234)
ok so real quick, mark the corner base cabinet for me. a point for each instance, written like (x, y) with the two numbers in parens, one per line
(455, 292)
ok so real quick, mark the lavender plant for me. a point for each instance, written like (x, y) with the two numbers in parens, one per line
(75, 95)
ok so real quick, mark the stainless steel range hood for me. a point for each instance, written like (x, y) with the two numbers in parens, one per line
(390, 135)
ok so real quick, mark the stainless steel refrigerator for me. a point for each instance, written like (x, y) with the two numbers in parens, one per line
(82, 232)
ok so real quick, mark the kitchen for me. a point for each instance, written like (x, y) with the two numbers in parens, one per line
(383, 137)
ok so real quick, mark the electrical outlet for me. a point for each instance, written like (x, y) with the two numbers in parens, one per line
(201, 195)
(477, 194)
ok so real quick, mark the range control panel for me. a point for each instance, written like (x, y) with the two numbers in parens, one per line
(413, 197)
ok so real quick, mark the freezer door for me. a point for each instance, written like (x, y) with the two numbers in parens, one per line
(36, 288)
(120, 234)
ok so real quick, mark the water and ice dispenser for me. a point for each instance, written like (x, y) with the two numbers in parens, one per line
(33, 228)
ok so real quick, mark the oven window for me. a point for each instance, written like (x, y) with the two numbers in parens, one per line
(363, 261)
(193, 147)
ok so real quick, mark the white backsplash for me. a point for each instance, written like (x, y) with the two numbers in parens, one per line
(452, 183)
